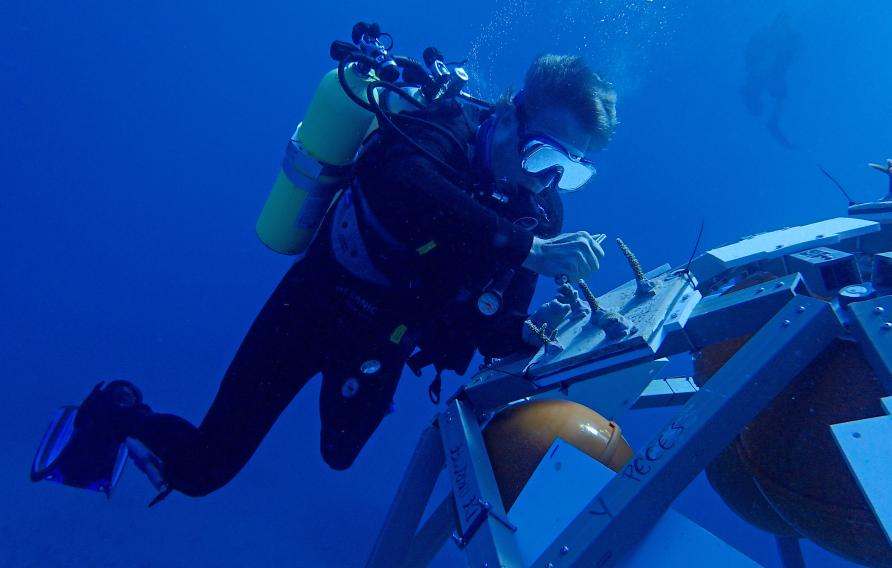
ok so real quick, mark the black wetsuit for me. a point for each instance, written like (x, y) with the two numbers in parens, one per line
(398, 264)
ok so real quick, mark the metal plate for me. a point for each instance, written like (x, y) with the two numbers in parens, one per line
(872, 325)
(585, 343)
(612, 394)
(671, 391)
(588, 351)
(866, 446)
(776, 244)
(717, 318)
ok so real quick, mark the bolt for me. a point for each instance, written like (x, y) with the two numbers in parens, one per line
(879, 310)
(549, 565)
(779, 285)
(800, 309)
(787, 323)
(760, 290)
(565, 549)
(887, 326)
(674, 315)
(685, 297)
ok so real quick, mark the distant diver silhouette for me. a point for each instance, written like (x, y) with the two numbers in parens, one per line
(769, 54)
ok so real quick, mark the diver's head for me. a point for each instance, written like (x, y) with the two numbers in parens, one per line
(545, 134)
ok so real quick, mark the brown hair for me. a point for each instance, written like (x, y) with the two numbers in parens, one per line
(568, 82)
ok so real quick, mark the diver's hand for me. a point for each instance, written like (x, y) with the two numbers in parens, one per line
(550, 314)
(575, 255)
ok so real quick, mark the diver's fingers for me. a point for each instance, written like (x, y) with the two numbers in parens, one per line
(591, 255)
(599, 250)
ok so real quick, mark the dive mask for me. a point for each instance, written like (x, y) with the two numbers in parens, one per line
(542, 156)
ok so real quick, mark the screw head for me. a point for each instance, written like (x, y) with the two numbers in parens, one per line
(787, 323)
(800, 309)
(565, 549)
(350, 387)
(370, 367)
(760, 290)
(779, 285)
(879, 310)
(887, 326)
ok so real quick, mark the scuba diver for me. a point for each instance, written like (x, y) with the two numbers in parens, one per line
(429, 252)
(769, 54)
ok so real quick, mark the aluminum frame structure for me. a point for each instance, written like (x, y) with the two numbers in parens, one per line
(671, 312)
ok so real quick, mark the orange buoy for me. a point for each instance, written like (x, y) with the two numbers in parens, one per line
(784, 472)
(518, 438)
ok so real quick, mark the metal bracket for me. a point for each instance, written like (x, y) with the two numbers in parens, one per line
(872, 325)
(486, 536)
(628, 506)
(486, 510)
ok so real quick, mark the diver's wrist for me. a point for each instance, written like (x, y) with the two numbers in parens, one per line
(532, 260)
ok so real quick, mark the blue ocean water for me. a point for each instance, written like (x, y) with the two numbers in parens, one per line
(140, 140)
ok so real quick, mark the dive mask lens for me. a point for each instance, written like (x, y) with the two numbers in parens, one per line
(544, 159)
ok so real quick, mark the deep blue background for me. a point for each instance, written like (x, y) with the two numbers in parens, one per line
(139, 140)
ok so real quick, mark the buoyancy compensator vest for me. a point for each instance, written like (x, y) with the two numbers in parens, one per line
(366, 89)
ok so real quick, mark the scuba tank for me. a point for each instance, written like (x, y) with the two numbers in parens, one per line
(344, 110)
(318, 157)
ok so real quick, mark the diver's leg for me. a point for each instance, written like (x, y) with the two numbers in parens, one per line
(351, 406)
(275, 360)
(773, 125)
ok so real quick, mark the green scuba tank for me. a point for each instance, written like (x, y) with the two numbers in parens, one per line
(317, 163)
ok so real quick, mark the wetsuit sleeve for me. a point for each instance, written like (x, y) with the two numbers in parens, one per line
(427, 211)
(502, 334)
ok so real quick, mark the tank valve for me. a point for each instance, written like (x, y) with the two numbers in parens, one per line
(614, 324)
(645, 286)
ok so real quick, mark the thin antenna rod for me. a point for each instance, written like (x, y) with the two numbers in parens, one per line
(836, 183)
(687, 268)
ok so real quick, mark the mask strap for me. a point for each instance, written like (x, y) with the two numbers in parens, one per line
(518, 99)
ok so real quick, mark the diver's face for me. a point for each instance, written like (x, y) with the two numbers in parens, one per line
(557, 123)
